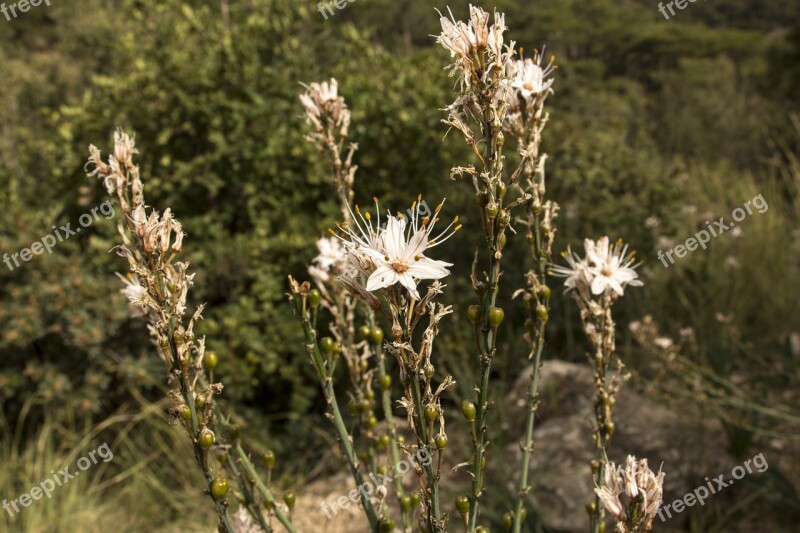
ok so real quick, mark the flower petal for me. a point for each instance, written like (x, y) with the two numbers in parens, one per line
(426, 268)
(384, 276)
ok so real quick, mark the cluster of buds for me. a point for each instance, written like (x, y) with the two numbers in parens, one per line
(642, 490)
(328, 114)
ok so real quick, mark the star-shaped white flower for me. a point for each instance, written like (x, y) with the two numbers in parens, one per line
(403, 261)
(530, 78)
(611, 266)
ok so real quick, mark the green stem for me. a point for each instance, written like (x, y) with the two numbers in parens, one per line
(434, 510)
(527, 450)
(386, 398)
(265, 492)
(326, 382)
(487, 352)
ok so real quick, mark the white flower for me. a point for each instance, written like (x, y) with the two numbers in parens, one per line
(396, 253)
(457, 37)
(643, 489)
(331, 257)
(529, 78)
(611, 266)
(665, 343)
(605, 267)
(136, 294)
(577, 273)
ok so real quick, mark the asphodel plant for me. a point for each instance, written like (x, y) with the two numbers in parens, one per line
(375, 290)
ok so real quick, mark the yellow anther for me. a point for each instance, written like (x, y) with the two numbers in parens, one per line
(458, 227)
(367, 215)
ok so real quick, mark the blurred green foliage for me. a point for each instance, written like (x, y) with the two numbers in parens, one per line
(649, 116)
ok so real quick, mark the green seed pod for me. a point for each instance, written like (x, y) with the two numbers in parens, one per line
(365, 331)
(492, 210)
(364, 406)
(314, 298)
(353, 407)
(405, 503)
(545, 292)
(289, 498)
(429, 371)
(219, 488)
(441, 441)
(372, 422)
(523, 514)
(601, 527)
(431, 412)
(481, 199)
(186, 412)
(501, 188)
(504, 218)
(496, 316)
(462, 504)
(415, 498)
(327, 344)
(234, 431)
(200, 402)
(401, 439)
(206, 439)
(387, 524)
(383, 470)
(508, 520)
(481, 529)
(337, 348)
(591, 508)
(223, 459)
(503, 240)
(210, 360)
(376, 335)
(269, 459)
(468, 410)
(541, 312)
(386, 382)
(385, 440)
(474, 313)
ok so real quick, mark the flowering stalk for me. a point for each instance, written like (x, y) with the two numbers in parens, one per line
(525, 122)
(481, 61)
(384, 266)
(596, 282)
(157, 288)
(305, 306)
(385, 381)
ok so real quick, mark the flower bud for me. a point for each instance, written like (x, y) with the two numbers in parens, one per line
(269, 459)
(314, 298)
(468, 410)
(376, 335)
(462, 504)
(219, 488)
(289, 498)
(206, 439)
(210, 360)
(327, 344)
(496, 316)
(405, 503)
(431, 412)
(387, 524)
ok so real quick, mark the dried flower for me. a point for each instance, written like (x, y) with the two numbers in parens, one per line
(642, 489)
